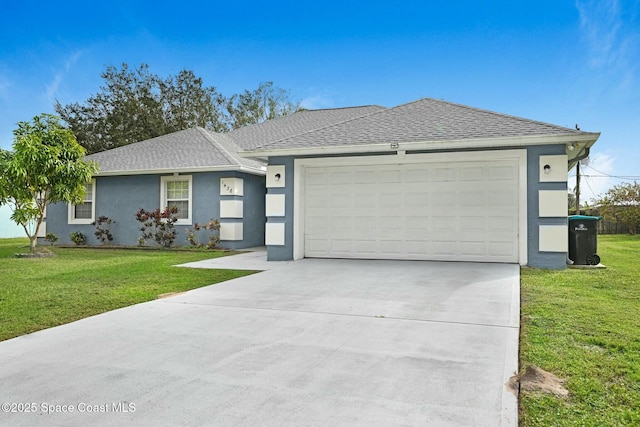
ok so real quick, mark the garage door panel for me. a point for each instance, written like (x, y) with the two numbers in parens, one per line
(503, 173)
(469, 225)
(390, 199)
(472, 173)
(418, 175)
(505, 224)
(388, 176)
(366, 177)
(338, 176)
(444, 174)
(316, 247)
(339, 200)
(504, 198)
(443, 199)
(364, 201)
(416, 199)
(441, 211)
(471, 199)
(472, 249)
(444, 223)
(390, 247)
(445, 249)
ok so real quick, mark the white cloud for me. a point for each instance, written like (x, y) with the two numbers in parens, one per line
(52, 88)
(317, 102)
(612, 38)
(600, 21)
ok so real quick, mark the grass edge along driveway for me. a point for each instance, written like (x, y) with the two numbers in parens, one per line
(584, 327)
(76, 283)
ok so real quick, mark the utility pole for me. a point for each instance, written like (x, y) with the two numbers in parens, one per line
(578, 188)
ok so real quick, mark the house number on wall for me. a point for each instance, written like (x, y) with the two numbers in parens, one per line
(231, 186)
(227, 187)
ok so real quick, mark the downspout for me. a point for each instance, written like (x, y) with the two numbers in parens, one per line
(577, 160)
(583, 156)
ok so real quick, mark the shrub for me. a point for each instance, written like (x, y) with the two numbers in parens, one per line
(214, 239)
(78, 238)
(158, 225)
(103, 233)
(51, 238)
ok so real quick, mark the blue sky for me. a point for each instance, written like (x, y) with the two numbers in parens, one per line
(562, 62)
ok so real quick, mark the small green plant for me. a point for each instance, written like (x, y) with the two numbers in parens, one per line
(214, 239)
(51, 238)
(158, 225)
(78, 238)
(103, 232)
(141, 241)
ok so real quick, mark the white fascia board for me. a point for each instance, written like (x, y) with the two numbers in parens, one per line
(519, 141)
(254, 171)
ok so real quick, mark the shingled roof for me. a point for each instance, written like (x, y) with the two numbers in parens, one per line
(296, 124)
(426, 124)
(187, 150)
(198, 149)
(425, 120)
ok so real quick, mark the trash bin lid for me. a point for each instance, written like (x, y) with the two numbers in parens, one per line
(584, 217)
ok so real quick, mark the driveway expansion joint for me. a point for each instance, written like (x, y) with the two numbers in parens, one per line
(369, 316)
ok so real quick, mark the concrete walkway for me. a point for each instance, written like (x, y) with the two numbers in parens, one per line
(252, 259)
(311, 342)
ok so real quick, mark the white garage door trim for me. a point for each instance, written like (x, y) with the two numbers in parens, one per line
(520, 156)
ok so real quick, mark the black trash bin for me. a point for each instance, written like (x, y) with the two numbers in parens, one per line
(583, 239)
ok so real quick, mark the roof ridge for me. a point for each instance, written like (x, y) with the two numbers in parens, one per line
(304, 110)
(209, 136)
(383, 109)
(340, 108)
(495, 113)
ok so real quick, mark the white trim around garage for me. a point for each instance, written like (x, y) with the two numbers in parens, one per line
(299, 184)
(582, 140)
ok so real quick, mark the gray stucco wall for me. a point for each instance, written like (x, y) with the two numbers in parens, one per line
(119, 197)
(253, 211)
(550, 260)
(277, 252)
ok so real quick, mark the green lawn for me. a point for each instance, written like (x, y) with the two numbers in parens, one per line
(584, 326)
(79, 282)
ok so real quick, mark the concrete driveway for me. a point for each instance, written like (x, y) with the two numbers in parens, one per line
(311, 342)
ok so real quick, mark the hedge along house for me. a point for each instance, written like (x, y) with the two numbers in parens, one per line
(427, 180)
(198, 171)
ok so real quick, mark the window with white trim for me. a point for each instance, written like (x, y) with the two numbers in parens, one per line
(85, 212)
(176, 191)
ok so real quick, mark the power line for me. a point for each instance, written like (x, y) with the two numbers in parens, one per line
(606, 175)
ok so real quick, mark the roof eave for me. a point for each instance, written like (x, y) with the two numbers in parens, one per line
(584, 139)
(247, 169)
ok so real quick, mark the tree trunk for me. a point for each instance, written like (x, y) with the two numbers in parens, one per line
(34, 242)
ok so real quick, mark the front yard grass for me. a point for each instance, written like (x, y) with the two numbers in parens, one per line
(80, 282)
(584, 326)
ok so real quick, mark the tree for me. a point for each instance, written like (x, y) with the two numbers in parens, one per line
(265, 103)
(622, 204)
(45, 166)
(572, 202)
(135, 105)
(187, 104)
(127, 109)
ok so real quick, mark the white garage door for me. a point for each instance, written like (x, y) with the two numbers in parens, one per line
(454, 211)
